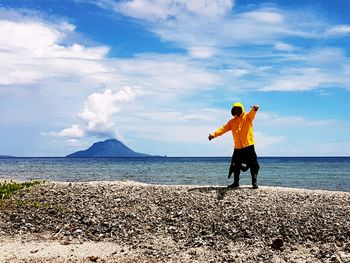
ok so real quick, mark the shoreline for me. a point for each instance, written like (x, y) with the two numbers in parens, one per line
(137, 222)
(137, 183)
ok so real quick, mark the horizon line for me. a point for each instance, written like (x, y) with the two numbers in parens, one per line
(178, 156)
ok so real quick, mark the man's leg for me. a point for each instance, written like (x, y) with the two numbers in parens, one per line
(236, 173)
(254, 166)
(254, 169)
(235, 168)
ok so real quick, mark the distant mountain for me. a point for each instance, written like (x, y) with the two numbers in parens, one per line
(108, 148)
(5, 156)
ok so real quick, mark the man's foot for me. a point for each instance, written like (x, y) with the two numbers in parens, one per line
(255, 186)
(234, 185)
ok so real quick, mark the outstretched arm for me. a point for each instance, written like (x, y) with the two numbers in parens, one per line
(220, 131)
(253, 111)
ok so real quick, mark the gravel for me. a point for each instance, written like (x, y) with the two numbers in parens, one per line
(153, 223)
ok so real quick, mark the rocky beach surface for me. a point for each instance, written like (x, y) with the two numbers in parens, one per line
(134, 222)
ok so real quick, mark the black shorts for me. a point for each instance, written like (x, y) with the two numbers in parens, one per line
(245, 155)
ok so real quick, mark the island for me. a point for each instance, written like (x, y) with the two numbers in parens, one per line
(5, 156)
(108, 148)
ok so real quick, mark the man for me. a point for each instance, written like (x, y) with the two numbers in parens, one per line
(244, 153)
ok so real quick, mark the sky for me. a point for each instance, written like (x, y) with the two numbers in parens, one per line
(160, 75)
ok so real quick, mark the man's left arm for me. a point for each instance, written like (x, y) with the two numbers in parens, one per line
(253, 110)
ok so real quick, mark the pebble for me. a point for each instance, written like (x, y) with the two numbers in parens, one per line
(277, 243)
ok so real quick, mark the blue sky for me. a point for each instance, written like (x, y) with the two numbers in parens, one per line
(160, 75)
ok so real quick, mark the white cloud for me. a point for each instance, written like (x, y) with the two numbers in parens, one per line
(264, 16)
(258, 27)
(324, 56)
(163, 10)
(73, 132)
(35, 53)
(264, 141)
(308, 78)
(283, 46)
(273, 119)
(237, 72)
(338, 30)
(42, 35)
(298, 80)
(98, 115)
(201, 52)
(312, 69)
(99, 108)
(190, 116)
(168, 74)
(188, 23)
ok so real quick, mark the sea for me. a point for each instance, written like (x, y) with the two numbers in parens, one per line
(326, 173)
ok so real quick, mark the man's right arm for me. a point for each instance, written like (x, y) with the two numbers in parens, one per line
(220, 131)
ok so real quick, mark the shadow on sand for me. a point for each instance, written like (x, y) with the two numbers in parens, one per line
(220, 191)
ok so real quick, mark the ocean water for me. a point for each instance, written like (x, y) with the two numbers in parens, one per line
(329, 173)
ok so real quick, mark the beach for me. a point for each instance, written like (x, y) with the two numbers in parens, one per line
(125, 221)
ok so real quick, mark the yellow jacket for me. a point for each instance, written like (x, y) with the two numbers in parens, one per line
(241, 127)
